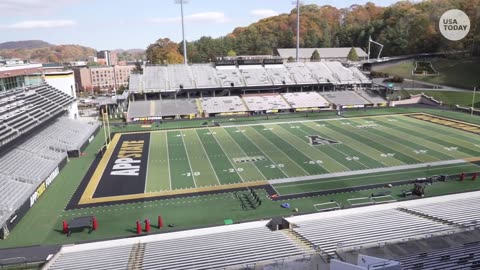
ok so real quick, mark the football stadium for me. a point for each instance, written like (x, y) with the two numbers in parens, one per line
(241, 162)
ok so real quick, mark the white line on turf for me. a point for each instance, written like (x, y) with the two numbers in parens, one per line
(225, 153)
(189, 164)
(245, 154)
(209, 161)
(359, 172)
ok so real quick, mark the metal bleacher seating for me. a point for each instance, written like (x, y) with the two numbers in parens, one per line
(265, 102)
(24, 167)
(22, 109)
(205, 76)
(223, 104)
(357, 73)
(255, 76)
(168, 78)
(301, 73)
(305, 100)
(230, 77)
(279, 74)
(321, 72)
(349, 98)
(462, 257)
(343, 74)
(463, 212)
(357, 230)
(107, 258)
(371, 96)
(155, 78)
(217, 250)
(180, 76)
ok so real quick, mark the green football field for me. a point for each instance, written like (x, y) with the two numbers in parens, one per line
(217, 156)
(177, 150)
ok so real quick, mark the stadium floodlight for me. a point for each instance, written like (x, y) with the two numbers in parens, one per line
(370, 40)
(298, 28)
(181, 2)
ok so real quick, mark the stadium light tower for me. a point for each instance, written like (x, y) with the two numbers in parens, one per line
(181, 2)
(298, 28)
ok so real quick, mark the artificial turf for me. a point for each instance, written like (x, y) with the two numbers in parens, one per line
(42, 224)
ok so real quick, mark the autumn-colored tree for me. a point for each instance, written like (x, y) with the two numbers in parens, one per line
(164, 51)
(352, 55)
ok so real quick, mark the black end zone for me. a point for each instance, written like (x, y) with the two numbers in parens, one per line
(126, 171)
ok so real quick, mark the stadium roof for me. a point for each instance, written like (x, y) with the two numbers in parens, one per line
(325, 53)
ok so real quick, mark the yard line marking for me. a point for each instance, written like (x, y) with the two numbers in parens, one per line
(419, 140)
(338, 150)
(188, 158)
(316, 150)
(168, 161)
(398, 148)
(209, 161)
(265, 178)
(278, 150)
(225, 153)
(329, 130)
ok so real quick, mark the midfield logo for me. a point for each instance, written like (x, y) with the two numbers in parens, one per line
(317, 140)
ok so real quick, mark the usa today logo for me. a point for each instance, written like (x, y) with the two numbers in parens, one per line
(454, 24)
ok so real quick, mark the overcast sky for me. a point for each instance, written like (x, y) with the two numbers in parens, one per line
(112, 24)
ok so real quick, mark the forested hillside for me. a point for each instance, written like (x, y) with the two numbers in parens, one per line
(404, 28)
(51, 54)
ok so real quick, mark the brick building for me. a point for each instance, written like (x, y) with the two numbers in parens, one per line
(102, 77)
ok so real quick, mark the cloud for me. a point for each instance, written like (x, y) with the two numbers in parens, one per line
(202, 17)
(263, 13)
(36, 24)
(31, 6)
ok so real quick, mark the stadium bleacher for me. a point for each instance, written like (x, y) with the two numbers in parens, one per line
(223, 104)
(463, 212)
(343, 75)
(305, 100)
(265, 102)
(301, 73)
(230, 76)
(345, 98)
(23, 168)
(179, 77)
(371, 96)
(28, 163)
(22, 109)
(214, 250)
(279, 74)
(205, 76)
(167, 78)
(466, 256)
(255, 76)
(321, 72)
(356, 230)
(161, 108)
(154, 79)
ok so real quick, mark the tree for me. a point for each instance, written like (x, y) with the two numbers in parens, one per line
(138, 68)
(315, 56)
(121, 89)
(352, 55)
(164, 51)
(231, 53)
